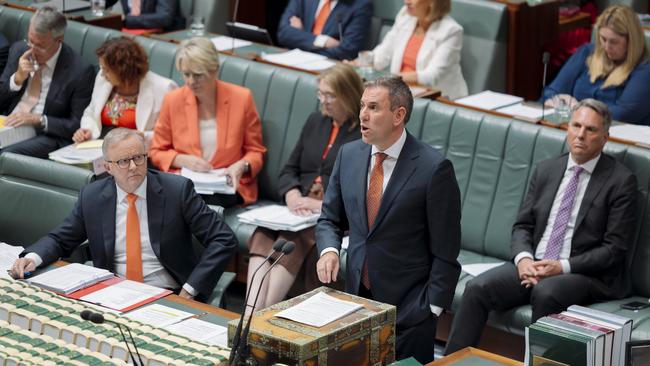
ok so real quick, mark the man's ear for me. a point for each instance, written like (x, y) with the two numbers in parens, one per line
(398, 116)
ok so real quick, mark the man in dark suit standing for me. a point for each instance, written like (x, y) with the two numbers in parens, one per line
(570, 238)
(139, 224)
(400, 201)
(45, 85)
(336, 29)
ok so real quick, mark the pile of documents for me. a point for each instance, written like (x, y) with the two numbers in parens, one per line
(319, 310)
(8, 255)
(214, 181)
(225, 43)
(300, 59)
(507, 104)
(579, 336)
(277, 217)
(12, 135)
(83, 153)
(70, 278)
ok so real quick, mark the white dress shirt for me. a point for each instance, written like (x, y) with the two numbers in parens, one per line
(321, 39)
(565, 253)
(208, 137)
(46, 81)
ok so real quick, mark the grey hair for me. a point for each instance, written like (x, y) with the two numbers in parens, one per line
(49, 20)
(200, 52)
(119, 134)
(599, 107)
(399, 93)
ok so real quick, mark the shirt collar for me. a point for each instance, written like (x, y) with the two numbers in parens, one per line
(588, 166)
(51, 63)
(395, 149)
(141, 191)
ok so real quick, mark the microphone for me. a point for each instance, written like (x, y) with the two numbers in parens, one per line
(242, 349)
(546, 56)
(98, 318)
(338, 20)
(277, 247)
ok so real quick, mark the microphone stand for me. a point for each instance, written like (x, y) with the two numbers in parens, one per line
(98, 318)
(545, 58)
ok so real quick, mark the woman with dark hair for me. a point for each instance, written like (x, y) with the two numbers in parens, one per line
(126, 93)
(304, 178)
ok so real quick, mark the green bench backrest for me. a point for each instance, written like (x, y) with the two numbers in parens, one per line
(14, 23)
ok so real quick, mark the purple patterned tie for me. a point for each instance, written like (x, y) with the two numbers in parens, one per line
(556, 240)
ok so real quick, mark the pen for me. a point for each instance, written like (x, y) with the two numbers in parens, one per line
(25, 274)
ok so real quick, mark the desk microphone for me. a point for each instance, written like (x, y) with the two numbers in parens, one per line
(546, 56)
(277, 247)
(241, 352)
(98, 318)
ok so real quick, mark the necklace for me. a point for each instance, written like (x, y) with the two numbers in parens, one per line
(118, 104)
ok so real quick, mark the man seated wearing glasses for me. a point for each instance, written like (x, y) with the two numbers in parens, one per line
(45, 85)
(139, 224)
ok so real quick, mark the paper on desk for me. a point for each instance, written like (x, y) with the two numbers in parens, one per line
(70, 278)
(319, 310)
(294, 58)
(635, 133)
(214, 181)
(527, 111)
(90, 144)
(201, 331)
(225, 43)
(278, 217)
(317, 65)
(478, 268)
(489, 100)
(72, 155)
(158, 315)
(123, 295)
(417, 90)
(8, 255)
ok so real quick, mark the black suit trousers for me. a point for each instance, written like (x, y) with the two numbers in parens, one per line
(500, 289)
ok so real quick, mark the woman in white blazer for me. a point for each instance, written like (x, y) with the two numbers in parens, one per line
(126, 93)
(427, 25)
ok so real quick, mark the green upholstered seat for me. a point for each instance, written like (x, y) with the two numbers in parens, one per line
(383, 17)
(14, 23)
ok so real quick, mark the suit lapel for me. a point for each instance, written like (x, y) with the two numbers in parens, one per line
(108, 201)
(552, 185)
(310, 15)
(361, 182)
(597, 181)
(404, 169)
(223, 115)
(192, 118)
(58, 74)
(155, 209)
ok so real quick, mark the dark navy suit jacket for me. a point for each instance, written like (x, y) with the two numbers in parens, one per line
(155, 14)
(175, 212)
(349, 19)
(4, 52)
(412, 248)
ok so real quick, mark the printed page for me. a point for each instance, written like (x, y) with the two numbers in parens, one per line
(123, 295)
(319, 310)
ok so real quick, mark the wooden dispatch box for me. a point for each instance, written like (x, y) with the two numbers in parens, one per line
(365, 337)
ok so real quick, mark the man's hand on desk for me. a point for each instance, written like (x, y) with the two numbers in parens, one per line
(328, 267)
(410, 77)
(186, 295)
(23, 119)
(331, 42)
(22, 266)
(295, 22)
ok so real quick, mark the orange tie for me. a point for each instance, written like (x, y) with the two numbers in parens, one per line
(373, 200)
(321, 18)
(133, 245)
(33, 92)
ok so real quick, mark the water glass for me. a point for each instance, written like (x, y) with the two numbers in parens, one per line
(366, 62)
(98, 7)
(562, 108)
(197, 28)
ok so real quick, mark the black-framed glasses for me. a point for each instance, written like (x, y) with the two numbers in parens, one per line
(126, 162)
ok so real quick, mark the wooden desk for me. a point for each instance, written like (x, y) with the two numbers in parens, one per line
(108, 20)
(475, 357)
(580, 20)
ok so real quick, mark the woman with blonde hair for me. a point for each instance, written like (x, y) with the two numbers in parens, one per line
(209, 124)
(423, 46)
(614, 69)
(303, 181)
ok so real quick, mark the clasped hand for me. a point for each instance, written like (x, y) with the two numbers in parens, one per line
(531, 272)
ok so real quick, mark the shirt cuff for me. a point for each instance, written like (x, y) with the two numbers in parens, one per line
(330, 249)
(190, 290)
(320, 40)
(566, 267)
(436, 310)
(12, 84)
(44, 125)
(523, 255)
(35, 257)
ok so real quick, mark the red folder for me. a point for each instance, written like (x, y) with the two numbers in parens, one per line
(77, 295)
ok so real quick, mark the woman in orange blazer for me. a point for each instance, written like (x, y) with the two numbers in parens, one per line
(209, 124)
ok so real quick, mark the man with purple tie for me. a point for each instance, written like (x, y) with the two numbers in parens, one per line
(570, 238)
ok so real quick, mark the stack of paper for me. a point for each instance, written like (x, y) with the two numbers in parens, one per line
(83, 153)
(121, 295)
(489, 100)
(527, 112)
(277, 217)
(635, 133)
(225, 43)
(214, 181)
(8, 255)
(70, 278)
(300, 59)
(12, 135)
(201, 331)
(319, 310)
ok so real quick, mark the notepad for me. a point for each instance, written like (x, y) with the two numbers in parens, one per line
(70, 278)
(277, 217)
(90, 144)
(210, 182)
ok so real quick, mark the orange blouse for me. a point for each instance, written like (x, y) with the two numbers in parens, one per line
(123, 116)
(411, 53)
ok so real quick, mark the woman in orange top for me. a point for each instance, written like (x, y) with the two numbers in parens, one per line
(209, 124)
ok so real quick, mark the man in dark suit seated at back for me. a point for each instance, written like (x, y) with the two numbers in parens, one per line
(571, 236)
(400, 201)
(139, 224)
(46, 85)
(336, 29)
(159, 15)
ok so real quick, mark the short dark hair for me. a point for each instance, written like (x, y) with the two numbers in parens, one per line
(125, 57)
(399, 93)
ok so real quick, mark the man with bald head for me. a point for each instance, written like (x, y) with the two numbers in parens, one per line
(139, 224)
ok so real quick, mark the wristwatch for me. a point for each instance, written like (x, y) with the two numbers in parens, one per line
(247, 167)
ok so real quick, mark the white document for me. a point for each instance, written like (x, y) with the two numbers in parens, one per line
(478, 268)
(489, 100)
(70, 278)
(8, 255)
(214, 181)
(158, 315)
(123, 294)
(417, 90)
(12, 135)
(71, 154)
(225, 43)
(527, 112)
(635, 133)
(278, 217)
(317, 65)
(295, 58)
(201, 331)
(319, 310)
